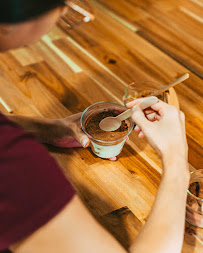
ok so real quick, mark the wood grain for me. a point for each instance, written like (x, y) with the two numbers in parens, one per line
(66, 71)
(173, 26)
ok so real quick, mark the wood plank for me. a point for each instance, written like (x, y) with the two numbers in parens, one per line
(65, 72)
(164, 24)
(142, 60)
(25, 56)
(51, 58)
(111, 178)
(125, 226)
(14, 99)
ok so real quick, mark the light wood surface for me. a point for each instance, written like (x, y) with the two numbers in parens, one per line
(66, 71)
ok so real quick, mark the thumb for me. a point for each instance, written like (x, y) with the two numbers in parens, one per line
(81, 137)
(85, 141)
(139, 118)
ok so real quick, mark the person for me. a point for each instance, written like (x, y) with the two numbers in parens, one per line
(39, 209)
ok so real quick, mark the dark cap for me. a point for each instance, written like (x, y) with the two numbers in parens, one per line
(14, 11)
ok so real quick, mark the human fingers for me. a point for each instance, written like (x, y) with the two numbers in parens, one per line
(137, 128)
(113, 158)
(83, 139)
(79, 135)
(153, 116)
(134, 102)
(143, 102)
(66, 142)
(140, 119)
(160, 107)
(141, 135)
(148, 111)
(182, 117)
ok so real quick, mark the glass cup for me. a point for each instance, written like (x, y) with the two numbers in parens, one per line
(194, 205)
(105, 148)
(142, 89)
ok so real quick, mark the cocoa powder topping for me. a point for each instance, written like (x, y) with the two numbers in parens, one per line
(93, 129)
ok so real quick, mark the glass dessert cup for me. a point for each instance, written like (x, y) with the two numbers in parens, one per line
(105, 144)
(194, 205)
(142, 89)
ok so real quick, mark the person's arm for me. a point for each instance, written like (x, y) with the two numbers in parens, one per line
(75, 230)
(72, 230)
(64, 132)
(164, 229)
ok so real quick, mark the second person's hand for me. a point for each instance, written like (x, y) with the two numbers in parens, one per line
(68, 133)
(164, 127)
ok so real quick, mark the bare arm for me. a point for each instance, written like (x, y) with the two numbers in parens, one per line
(75, 230)
(65, 132)
(164, 229)
(72, 230)
(40, 127)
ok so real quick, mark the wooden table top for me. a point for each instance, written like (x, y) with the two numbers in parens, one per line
(151, 40)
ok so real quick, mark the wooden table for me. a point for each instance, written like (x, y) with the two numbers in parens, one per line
(65, 72)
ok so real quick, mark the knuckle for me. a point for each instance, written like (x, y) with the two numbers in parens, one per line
(136, 115)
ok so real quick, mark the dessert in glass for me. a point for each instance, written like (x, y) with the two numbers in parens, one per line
(105, 144)
(142, 89)
(194, 205)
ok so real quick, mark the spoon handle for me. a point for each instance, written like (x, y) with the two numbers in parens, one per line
(149, 101)
(177, 81)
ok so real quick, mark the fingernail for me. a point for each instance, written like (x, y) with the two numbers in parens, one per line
(113, 159)
(140, 135)
(136, 128)
(85, 143)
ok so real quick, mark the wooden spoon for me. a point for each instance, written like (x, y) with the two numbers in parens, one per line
(165, 88)
(113, 123)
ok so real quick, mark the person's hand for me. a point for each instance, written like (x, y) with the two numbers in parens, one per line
(164, 127)
(68, 133)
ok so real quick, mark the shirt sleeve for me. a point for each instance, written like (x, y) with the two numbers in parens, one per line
(33, 188)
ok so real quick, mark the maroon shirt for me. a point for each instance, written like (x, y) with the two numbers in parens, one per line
(33, 188)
